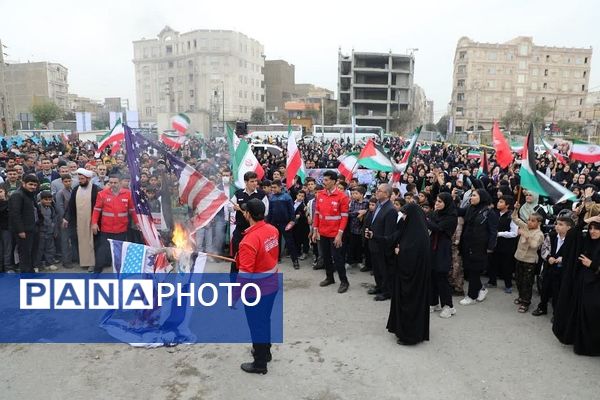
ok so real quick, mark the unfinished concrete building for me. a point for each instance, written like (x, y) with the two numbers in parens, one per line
(374, 87)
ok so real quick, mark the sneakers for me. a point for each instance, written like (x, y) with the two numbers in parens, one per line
(435, 308)
(303, 256)
(467, 301)
(482, 295)
(508, 290)
(51, 267)
(447, 312)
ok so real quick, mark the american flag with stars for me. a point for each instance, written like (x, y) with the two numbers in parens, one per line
(136, 144)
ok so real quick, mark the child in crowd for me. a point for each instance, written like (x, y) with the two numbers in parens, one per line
(301, 229)
(366, 225)
(553, 252)
(530, 240)
(358, 210)
(48, 230)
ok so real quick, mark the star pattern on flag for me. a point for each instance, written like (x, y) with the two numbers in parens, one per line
(134, 259)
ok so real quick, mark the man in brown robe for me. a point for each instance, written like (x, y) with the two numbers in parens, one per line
(78, 218)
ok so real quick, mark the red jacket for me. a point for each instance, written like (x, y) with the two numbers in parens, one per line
(331, 212)
(111, 211)
(259, 249)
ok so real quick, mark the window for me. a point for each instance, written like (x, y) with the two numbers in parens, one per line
(519, 92)
(547, 58)
(491, 84)
(191, 93)
(523, 50)
(241, 79)
(522, 64)
(580, 102)
(545, 86)
(462, 55)
(170, 64)
(195, 43)
(241, 94)
(460, 83)
(564, 87)
(148, 110)
(492, 70)
(461, 69)
(192, 107)
(510, 56)
(585, 60)
(533, 85)
(245, 94)
(566, 73)
(584, 74)
(189, 45)
(507, 84)
(579, 61)
(583, 88)
(191, 78)
(507, 100)
(491, 55)
(521, 79)
(190, 63)
(534, 72)
(545, 72)
(460, 97)
(169, 49)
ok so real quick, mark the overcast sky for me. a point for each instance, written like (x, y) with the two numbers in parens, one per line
(93, 39)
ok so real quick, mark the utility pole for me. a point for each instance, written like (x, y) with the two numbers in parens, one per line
(476, 122)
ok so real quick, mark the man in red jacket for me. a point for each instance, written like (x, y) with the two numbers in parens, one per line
(110, 219)
(258, 254)
(330, 220)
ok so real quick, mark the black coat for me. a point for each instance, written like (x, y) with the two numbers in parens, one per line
(71, 211)
(4, 215)
(442, 226)
(480, 232)
(383, 227)
(22, 211)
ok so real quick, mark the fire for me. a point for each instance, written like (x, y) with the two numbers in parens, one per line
(181, 238)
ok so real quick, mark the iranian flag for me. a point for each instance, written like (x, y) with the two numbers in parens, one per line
(474, 154)
(425, 149)
(553, 152)
(483, 166)
(173, 141)
(180, 123)
(537, 182)
(113, 138)
(372, 156)
(295, 164)
(243, 160)
(516, 147)
(586, 152)
(348, 164)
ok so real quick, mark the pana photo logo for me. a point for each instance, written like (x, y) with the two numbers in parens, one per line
(128, 294)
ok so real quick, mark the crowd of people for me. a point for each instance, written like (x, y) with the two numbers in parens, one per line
(421, 238)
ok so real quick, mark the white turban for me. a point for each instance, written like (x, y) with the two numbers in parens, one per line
(85, 172)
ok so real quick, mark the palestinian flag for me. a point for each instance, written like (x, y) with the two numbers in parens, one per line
(553, 152)
(113, 138)
(372, 156)
(586, 152)
(180, 123)
(294, 165)
(483, 166)
(243, 160)
(473, 154)
(537, 182)
(406, 157)
(348, 164)
(425, 149)
(173, 141)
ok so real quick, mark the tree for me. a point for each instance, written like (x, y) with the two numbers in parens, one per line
(69, 116)
(258, 116)
(46, 112)
(344, 117)
(568, 127)
(330, 114)
(403, 120)
(101, 122)
(312, 114)
(442, 125)
(431, 127)
(538, 113)
(513, 118)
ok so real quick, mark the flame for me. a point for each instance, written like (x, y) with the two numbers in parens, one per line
(181, 238)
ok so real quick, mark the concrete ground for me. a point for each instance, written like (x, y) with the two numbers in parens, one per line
(336, 347)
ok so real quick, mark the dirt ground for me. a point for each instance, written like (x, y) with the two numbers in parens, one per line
(336, 347)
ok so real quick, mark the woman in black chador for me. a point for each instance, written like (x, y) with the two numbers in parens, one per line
(409, 307)
(577, 317)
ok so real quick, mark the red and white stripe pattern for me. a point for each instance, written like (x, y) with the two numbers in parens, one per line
(199, 193)
(174, 142)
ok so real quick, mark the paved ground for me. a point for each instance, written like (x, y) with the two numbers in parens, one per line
(336, 347)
